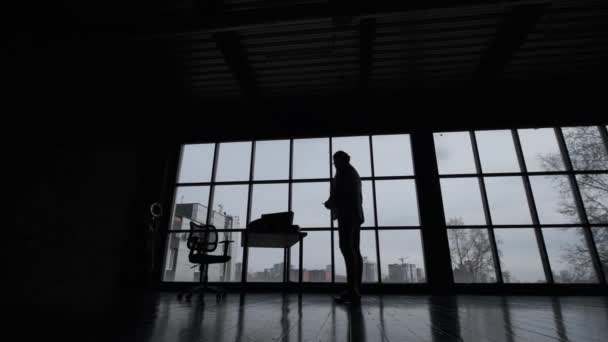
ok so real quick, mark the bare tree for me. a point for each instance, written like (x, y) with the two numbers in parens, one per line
(587, 151)
(601, 241)
(471, 253)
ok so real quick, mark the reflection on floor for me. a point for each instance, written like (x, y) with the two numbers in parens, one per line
(314, 317)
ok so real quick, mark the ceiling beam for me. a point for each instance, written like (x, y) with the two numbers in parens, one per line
(207, 7)
(511, 34)
(212, 21)
(367, 29)
(229, 44)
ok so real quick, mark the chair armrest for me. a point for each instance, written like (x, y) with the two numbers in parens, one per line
(226, 243)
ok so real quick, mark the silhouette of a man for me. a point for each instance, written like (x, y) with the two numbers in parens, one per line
(345, 202)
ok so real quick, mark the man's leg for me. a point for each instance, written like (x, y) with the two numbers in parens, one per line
(345, 249)
(358, 259)
(349, 241)
(347, 261)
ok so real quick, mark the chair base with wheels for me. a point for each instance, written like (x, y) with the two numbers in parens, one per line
(203, 288)
(201, 240)
(220, 293)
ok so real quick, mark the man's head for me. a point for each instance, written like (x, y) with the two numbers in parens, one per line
(341, 160)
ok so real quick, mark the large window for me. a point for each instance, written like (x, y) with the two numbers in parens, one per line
(241, 181)
(526, 205)
(520, 206)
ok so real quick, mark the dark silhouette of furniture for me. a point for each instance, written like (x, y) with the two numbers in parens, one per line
(275, 240)
(274, 230)
(202, 240)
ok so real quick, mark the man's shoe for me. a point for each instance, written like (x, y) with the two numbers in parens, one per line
(341, 299)
(348, 298)
(355, 298)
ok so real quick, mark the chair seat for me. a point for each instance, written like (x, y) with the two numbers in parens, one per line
(208, 259)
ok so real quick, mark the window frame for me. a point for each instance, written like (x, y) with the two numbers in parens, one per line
(421, 142)
(251, 182)
(525, 175)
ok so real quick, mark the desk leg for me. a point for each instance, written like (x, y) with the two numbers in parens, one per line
(245, 267)
(286, 263)
(300, 266)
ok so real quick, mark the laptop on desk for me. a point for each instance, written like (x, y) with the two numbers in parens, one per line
(278, 223)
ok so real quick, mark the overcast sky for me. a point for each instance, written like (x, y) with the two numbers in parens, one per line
(396, 199)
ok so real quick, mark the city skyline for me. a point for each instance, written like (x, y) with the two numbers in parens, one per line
(178, 269)
(413, 273)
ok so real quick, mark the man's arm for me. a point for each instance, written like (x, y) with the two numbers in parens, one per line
(330, 203)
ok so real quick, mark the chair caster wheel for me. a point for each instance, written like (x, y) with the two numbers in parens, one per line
(180, 296)
(188, 296)
(218, 297)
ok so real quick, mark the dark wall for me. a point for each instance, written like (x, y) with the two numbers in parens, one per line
(78, 253)
(84, 168)
(72, 214)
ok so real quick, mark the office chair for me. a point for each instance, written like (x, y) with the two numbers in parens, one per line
(202, 239)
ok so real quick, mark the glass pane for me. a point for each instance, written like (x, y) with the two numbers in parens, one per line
(190, 204)
(397, 205)
(265, 265)
(586, 148)
(231, 270)
(600, 235)
(462, 201)
(519, 256)
(230, 206)
(554, 199)
(236, 257)
(307, 204)
(454, 153)
(268, 198)
(471, 253)
(392, 155)
(358, 150)
(540, 149)
(233, 162)
(594, 190)
(294, 269)
(368, 252)
(497, 151)
(316, 266)
(196, 163)
(507, 200)
(177, 265)
(569, 256)
(368, 204)
(401, 256)
(311, 158)
(178, 268)
(271, 160)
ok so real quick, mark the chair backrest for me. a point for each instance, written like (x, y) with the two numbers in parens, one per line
(202, 238)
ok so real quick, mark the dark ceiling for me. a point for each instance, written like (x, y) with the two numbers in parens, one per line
(292, 66)
(251, 50)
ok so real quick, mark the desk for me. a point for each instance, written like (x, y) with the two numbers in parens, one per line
(272, 240)
(275, 240)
